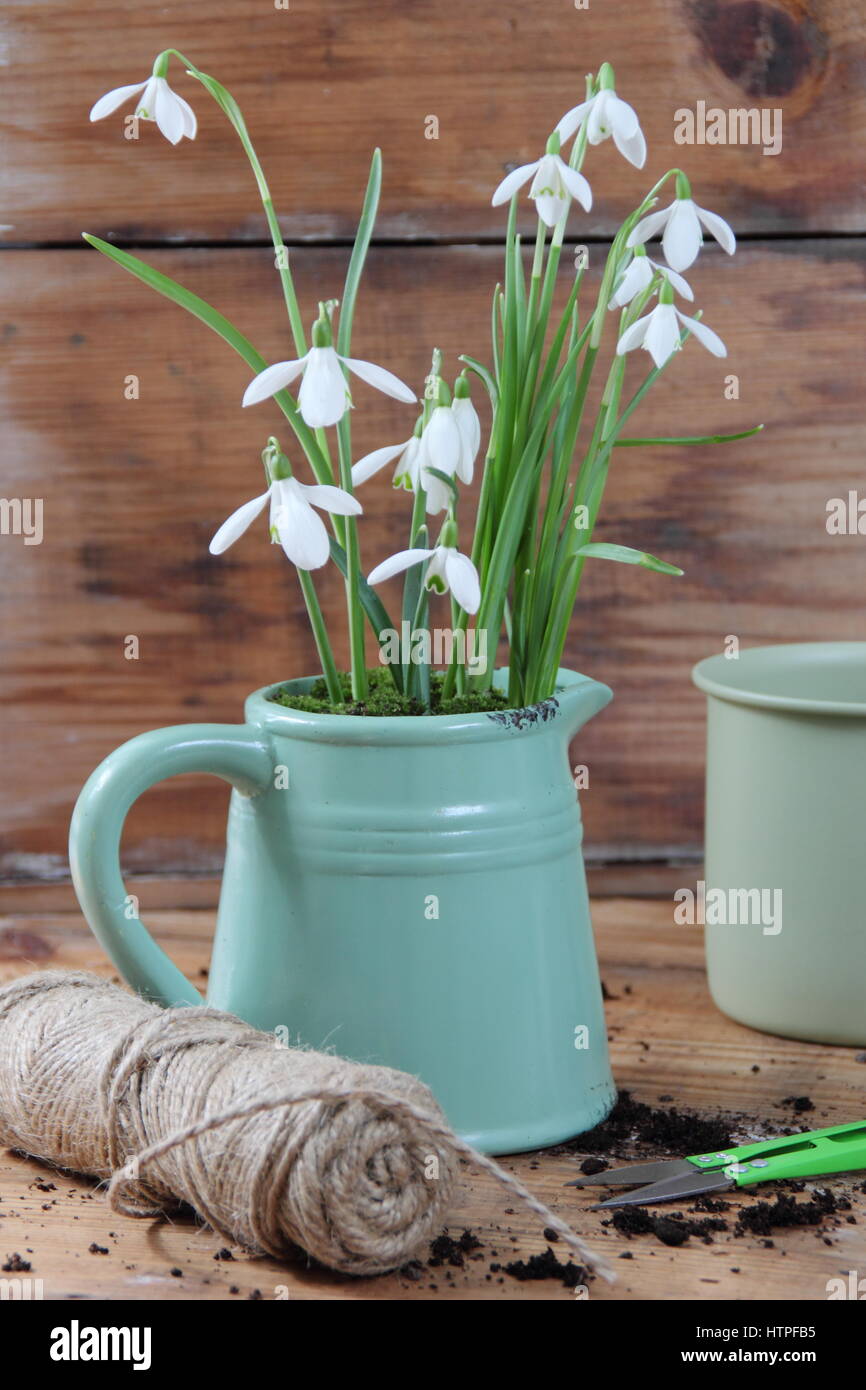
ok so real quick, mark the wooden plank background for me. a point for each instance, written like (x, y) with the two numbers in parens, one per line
(133, 489)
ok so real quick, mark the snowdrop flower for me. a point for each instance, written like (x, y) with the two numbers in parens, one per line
(469, 426)
(449, 442)
(639, 276)
(300, 531)
(606, 114)
(448, 569)
(681, 225)
(324, 395)
(554, 184)
(658, 332)
(174, 116)
(442, 448)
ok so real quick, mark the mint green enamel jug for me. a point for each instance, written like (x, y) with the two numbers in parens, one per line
(407, 891)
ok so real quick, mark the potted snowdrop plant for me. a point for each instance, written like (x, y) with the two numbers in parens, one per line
(403, 875)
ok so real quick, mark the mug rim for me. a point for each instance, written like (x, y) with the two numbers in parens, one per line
(728, 680)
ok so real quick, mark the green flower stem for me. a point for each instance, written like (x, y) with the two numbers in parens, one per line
(412, 583)
(535, 276)
(227, 104)
(354, 608)
(360, 683)
(320, 634)
(480, 555)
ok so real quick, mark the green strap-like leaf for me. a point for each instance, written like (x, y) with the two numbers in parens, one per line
(626, 556)
(359, 253)
(163, 284)
(690, 439)
(200, 309)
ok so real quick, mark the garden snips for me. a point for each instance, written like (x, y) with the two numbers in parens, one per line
(817, 1154)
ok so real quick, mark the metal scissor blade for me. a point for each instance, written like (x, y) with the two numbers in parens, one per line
(635, 1173)
(673, 1189)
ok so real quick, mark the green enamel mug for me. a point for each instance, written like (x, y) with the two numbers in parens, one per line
(785, 870)
(405, 891)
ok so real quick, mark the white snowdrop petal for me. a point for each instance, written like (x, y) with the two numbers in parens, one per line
(597, 125)
(576, 184)
(442, 442)
(633, 335)
(637, 276)
(623, 118)
(681, 286)
(662, 337)
(271, 380)
(190, 124)
(462, 579)
(324, 395)
(437, 495)
(571, 120)
(235, 525)
(333, 499)
(113, 99)
(682, 238)
(407, 472)
(395, 564)
(631, 147)
(513, 182)
(550, 208)
(146, 107)
(469, 426)
(710, 340)
(719, 228)
(167, 112)
(383, 380)
(302, 532)
(648, 227)
(371, 463)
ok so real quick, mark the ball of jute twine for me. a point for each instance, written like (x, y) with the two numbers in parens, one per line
(273, 1147)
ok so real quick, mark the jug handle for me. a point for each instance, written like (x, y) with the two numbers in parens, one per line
(234, 752)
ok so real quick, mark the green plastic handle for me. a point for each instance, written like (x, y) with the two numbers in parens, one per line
(821, 1152)
(231, 751)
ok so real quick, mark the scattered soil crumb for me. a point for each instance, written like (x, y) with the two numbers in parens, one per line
(801, 1105)
(444, 1250)
(670, 1230)
(589, 1166)
(547, 1266)
(764, 1217)
(633, 1122)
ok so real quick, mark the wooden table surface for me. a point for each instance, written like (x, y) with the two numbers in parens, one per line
(668, 1041)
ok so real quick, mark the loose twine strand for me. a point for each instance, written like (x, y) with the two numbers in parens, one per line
(332, 1156)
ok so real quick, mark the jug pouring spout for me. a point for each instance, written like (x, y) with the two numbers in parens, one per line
(579, 698)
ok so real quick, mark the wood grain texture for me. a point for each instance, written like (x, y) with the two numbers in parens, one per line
(133, 490)
(321, 85)
(667, 1040)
